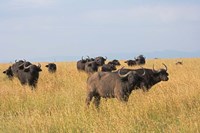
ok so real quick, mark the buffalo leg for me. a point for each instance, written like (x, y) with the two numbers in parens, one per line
(97, 101)
(88, 99)
(125, 99)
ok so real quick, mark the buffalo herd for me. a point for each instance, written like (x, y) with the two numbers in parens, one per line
(140, 60)
(26, 72)
(104, 80)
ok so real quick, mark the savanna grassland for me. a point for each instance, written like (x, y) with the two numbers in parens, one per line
(58, 103)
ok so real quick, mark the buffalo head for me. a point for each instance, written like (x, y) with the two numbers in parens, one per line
(100, 60)
(161, 73)
(51, 67)
(9, 72)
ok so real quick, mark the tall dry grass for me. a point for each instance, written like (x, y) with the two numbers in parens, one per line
(58, 103)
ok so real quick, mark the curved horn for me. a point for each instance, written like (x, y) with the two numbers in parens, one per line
(39, 65)
(154, 69)
(143, 72)
(21, 64)
(106, 58)
(125, 75)
(27, 67)
(165, 66)
(88, 57)
(82, 58)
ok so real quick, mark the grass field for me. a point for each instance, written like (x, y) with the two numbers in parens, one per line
(58, 103)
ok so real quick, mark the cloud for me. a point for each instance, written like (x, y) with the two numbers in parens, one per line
(161, 13)
(31, 3)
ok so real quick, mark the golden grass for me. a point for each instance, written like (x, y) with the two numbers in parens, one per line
(58, 104)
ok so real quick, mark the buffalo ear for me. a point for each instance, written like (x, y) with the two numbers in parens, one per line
(47, 66)
(4, 71)
(26, 69)
(39, 69)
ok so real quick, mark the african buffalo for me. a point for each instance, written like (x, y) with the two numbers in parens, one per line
(114, 62)
(91, 67)
(100, 60)
(140, 60)
(26, 72)
(14, 68)
(150, 78)
(108, 67)
(81, 64)
(9, 73)
(130, 62)
(110, 85)
(51, 67)
(29, 74)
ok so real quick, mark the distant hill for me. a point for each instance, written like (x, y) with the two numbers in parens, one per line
(110, 56)
(156, 54)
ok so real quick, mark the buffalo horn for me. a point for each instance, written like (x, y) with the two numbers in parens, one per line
(125, 75)
(39, 65)
(143, 72)
(21, 64)
(165, 66)
(27, 67)
(154, 69)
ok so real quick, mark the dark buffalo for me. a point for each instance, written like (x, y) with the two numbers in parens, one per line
(114, 62)
(150, 78)
(9, 73)
(108, 67)
(140, 60)
(14, 68)
(130, 62)
(51, 67)
(91, 67)
(110, 85)
(26, 72)
(29, 74)
(81, 64)
(100, 60)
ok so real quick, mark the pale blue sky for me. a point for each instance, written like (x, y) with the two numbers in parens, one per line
(45, 28)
